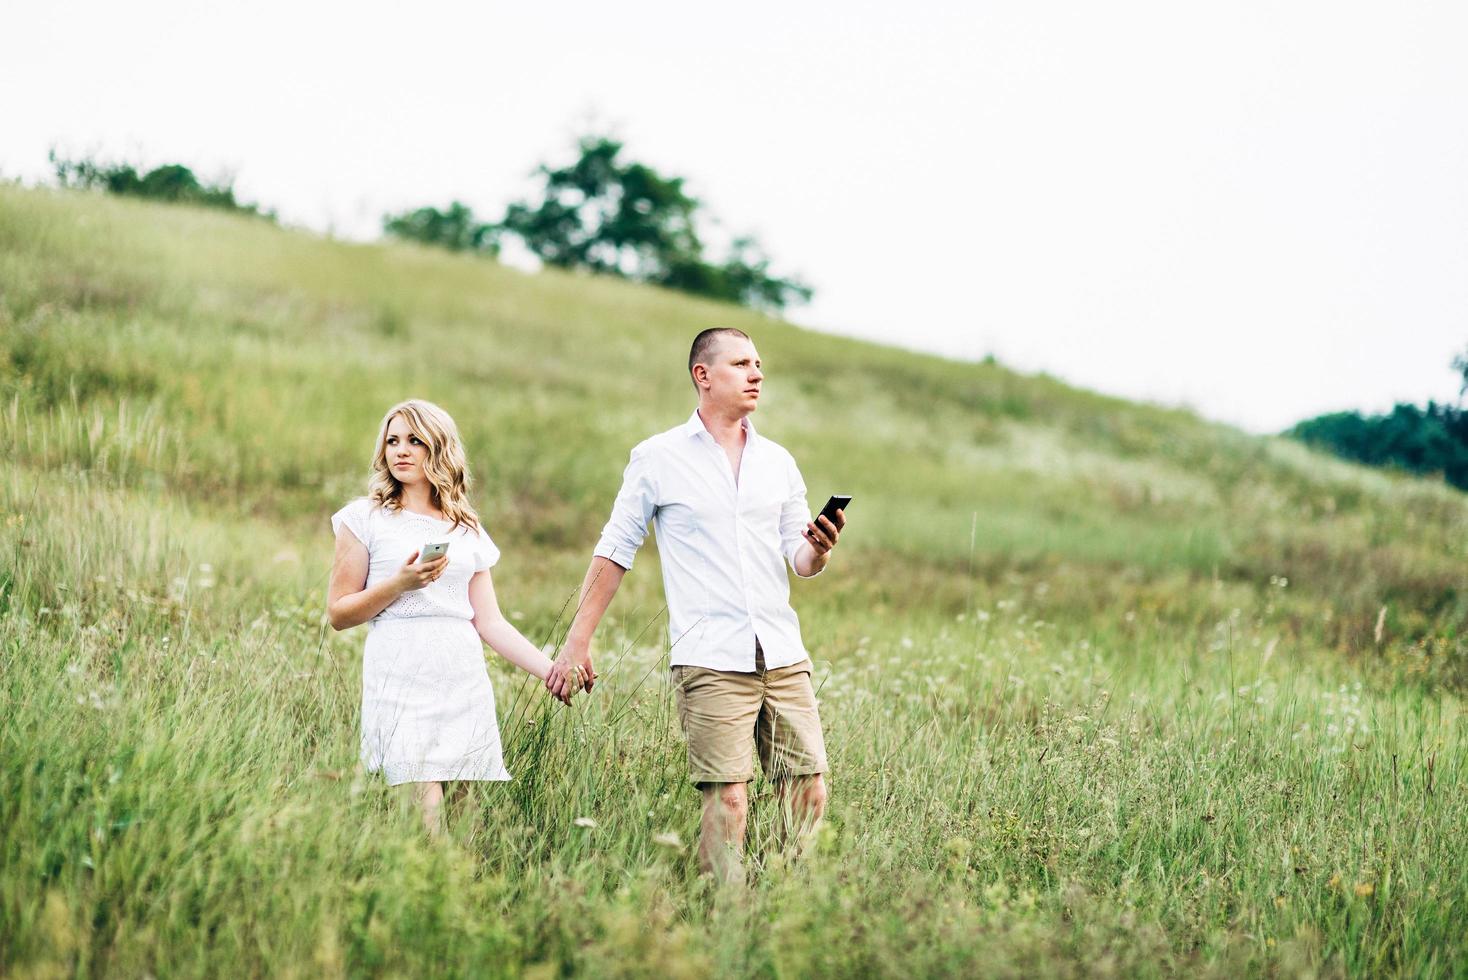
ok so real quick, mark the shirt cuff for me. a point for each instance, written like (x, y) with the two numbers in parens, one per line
(622, 556)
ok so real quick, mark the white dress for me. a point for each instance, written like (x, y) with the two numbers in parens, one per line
(427, 706)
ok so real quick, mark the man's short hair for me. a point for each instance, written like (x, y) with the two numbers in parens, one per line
(706, 341)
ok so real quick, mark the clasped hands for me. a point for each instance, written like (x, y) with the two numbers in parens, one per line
(571, 673)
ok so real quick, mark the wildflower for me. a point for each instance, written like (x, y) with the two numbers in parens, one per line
(668, 839)
(586, 822)
(1364, 888)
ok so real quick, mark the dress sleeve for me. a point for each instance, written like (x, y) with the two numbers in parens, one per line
(485, 552)
(354, 517)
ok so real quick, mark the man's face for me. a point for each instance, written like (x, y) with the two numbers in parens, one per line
(734, 375)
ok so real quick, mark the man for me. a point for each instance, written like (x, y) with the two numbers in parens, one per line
(730, 509)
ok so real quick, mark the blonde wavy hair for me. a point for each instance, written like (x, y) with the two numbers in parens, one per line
(446, 468)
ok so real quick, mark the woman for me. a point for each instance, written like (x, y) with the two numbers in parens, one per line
(427, 706)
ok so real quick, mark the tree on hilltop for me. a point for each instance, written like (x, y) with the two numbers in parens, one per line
(613, 217)
(171, 182)
(456, 229)
(626, 219)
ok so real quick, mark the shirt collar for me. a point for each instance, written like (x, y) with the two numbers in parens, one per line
(694, 426)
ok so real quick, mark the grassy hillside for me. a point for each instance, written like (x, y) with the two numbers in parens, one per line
(1107, 688)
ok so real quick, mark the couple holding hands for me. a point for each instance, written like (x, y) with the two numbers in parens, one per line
(730, 511)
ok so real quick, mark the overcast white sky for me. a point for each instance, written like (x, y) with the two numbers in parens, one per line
(1259, 209)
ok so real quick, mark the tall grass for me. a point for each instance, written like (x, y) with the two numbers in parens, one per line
(1107, 689)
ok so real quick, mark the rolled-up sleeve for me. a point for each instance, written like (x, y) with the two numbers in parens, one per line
(794, 516)
(636, 504)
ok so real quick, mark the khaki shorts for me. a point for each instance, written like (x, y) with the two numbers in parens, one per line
(725, 714)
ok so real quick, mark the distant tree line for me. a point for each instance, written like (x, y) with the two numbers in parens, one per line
(617, 217)
(170, 182)
(1419, 440)
(603, 213)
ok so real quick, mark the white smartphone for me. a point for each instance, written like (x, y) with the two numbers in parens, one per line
(432, 550)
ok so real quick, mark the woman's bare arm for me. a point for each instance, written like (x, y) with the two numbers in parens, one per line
(497, 631)
(348, 600)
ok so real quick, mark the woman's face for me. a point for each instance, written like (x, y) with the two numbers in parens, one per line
(405, 452)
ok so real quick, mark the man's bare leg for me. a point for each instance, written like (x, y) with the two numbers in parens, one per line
(721, 837)
(802, 801)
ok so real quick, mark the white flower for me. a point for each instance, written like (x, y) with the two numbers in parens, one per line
(586, 822)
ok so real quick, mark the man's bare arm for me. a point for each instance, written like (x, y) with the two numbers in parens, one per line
(603, 578)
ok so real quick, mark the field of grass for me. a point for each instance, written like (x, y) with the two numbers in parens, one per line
(1108, 689)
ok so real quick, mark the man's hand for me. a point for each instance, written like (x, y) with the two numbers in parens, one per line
(571, 672)
(820, 536)
(822, 533)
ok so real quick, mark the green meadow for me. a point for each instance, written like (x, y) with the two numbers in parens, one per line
(1108, 689)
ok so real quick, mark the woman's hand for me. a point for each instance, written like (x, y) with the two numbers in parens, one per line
(567, 679)
(412, 577)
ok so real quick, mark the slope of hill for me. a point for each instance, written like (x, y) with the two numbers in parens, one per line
(1041, 593)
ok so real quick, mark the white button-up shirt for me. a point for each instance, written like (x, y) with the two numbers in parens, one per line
(723, 544)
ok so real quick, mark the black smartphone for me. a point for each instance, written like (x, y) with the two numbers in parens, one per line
(838, 501)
